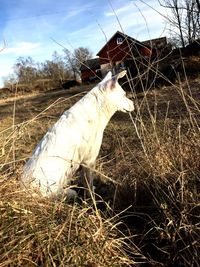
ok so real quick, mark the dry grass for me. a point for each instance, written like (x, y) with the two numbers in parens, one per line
(37, 232)
(148, 217)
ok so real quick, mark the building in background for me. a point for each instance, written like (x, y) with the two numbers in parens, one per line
(91, 70)
(123, 52)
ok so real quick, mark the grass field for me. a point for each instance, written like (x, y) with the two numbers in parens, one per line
(147, 185)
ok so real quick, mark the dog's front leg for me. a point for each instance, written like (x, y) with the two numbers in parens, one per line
(87, 179)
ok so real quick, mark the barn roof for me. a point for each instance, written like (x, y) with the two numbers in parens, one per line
(125, 36)
(90, 64)
(157, 43)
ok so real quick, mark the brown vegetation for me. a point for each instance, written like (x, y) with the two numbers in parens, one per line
(147, 186)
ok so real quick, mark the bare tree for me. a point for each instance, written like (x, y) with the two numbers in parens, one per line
(54, 69)
(76, 58)
(198, 4)
(25, 70)
(60, 68)
(81, 54)
(184, 19)
(71, 63)
(9, 81)
(192, 20)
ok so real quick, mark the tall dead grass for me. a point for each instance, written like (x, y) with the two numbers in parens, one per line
(162, 192)
(36, 232)
(39, 232)
(148, 217)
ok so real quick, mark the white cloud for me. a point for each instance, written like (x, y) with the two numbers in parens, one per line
(119, 10)
(21, 48)
(137, 19)
(77, 10)
(5, 71)
(9, 55)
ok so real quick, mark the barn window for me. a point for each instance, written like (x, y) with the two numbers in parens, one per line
(119, 40)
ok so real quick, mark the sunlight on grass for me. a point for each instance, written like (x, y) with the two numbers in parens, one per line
(146, 208)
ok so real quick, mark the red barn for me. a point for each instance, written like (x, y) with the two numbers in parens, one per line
(120, 51)
(123, 51)
(90, 70)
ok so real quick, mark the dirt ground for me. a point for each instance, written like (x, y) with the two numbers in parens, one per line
(25, 106)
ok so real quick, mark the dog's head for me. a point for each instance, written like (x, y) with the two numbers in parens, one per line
(115, 94)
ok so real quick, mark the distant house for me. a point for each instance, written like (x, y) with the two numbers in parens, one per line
(120, 51)
(91, 70)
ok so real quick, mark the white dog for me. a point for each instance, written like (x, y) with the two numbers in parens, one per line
(75, 139)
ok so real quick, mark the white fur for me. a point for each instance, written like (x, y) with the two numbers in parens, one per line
(75, 139)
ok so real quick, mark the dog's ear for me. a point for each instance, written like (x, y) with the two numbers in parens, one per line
(111, 81)
(107, 77)
(115, 78)
(120, 75)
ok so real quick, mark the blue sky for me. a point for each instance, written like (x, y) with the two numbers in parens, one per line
(28, 27)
